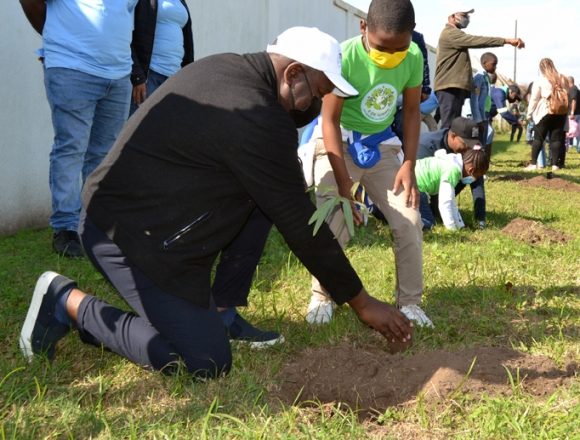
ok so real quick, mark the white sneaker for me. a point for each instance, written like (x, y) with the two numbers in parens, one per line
(416, 313)
(319, 311)
(530, 167)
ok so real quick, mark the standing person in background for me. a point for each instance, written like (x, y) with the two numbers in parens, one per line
(545, 121)
(87, 62)
(453, 75)
(492, 115)
(480, 99)
(481, 105)
(428, 100)
(574, 113)
(162, 44)
(530, 129)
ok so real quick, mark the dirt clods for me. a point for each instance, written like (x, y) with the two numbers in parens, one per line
(555, 183)
(534, 233)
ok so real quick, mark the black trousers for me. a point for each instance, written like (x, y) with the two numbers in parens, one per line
(450, 103)
(516, 128)
(164, 328)
(554, 125)
(238, 262)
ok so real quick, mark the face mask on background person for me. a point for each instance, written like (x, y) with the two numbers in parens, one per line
(467, 180)
(385, 60)
(462, 21)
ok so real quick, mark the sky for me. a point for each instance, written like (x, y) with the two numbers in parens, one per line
(549, 28)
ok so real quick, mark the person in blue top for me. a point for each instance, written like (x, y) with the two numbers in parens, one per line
(506, 99)
(162, 44)
(429, 101)
(480, 99)
(87, 63)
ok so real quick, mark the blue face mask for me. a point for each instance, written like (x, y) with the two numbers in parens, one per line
(467, 180)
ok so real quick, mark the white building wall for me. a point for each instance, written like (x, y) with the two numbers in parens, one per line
(25, 128)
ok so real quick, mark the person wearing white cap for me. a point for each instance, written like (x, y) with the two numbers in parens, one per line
(214, 145)
(357, 145)
(453, 73)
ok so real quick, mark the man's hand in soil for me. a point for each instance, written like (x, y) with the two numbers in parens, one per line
(382, 317)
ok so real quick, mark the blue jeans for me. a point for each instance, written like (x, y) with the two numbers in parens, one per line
(88, 113)
(154, 80)
(575, 142)
(427, 216)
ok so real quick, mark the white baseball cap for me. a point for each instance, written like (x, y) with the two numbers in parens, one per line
(316, 49)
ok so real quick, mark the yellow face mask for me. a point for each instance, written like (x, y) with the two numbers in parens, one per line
(386, 60)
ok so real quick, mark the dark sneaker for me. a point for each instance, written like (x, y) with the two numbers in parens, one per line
(41, 330)
(67, 244)
(241, 330)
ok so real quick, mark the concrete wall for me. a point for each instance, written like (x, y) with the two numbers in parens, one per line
(25, 128)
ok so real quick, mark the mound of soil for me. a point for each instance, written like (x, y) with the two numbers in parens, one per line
(369, 379)
(533, 232)
(554, 183)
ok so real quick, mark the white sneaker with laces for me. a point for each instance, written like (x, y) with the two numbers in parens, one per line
(319, 311)
(416, 314)
(530, 167)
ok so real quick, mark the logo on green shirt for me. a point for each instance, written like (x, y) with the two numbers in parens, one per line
(379, 102)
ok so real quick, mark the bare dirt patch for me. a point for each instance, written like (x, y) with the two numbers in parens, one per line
(370, 379)
(533, 232)
(555, 183)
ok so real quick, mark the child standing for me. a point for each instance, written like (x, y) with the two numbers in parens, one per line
(481, 95)
(440, 175)
(358, 145)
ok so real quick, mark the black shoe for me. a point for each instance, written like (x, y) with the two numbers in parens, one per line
(41, 330)
(241, 330)
(67, 244)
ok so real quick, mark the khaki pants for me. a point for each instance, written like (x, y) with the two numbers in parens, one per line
(405, 222)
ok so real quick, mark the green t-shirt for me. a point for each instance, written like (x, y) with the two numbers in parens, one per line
(373, 109)
(431, 171)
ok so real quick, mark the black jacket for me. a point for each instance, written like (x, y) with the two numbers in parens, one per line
(144, 35)
(189, 167)
(430, 142)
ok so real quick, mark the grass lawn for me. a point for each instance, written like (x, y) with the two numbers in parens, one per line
(483, 288)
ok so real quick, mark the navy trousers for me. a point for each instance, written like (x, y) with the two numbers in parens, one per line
(163, 328)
